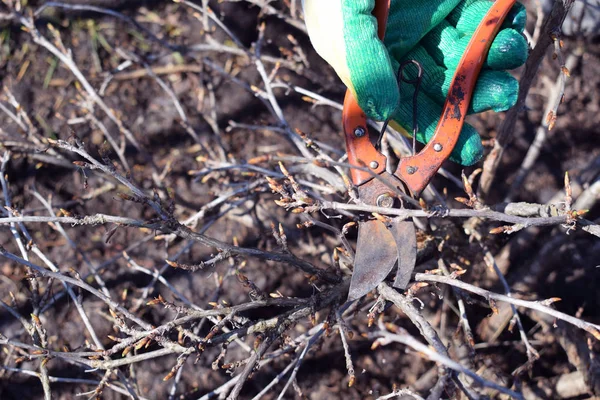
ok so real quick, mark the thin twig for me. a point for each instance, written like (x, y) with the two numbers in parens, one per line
(534, 305)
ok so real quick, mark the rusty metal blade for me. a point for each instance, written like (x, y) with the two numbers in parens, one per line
(375, 257)
(406, 243)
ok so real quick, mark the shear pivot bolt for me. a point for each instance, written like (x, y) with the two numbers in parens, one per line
(385, 200)
(411, 170)
(437, 147)
(373, 164)
(359, 131)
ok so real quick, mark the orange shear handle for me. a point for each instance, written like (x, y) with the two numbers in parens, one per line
(361, 151)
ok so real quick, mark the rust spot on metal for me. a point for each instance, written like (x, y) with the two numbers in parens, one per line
(492, 21)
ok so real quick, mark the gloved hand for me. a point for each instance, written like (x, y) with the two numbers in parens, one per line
(434, 33)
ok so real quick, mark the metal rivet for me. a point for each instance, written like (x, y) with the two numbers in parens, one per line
(411, 170)
(437, 147)
(385, 200)
(359, 131)
(373, 164)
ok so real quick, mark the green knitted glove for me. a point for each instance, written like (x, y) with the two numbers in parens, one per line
(434, 33)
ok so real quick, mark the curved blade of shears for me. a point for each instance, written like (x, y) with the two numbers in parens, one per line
(378, 248)
(376, 255)
(406, 242)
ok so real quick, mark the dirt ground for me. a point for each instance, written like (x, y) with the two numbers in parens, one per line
(194, 129)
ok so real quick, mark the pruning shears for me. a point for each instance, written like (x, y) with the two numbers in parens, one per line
(380, 244)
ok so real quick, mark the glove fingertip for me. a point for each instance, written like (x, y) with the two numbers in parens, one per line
(495, 90)
(508, 92)
(508, 51)
(468, 149)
